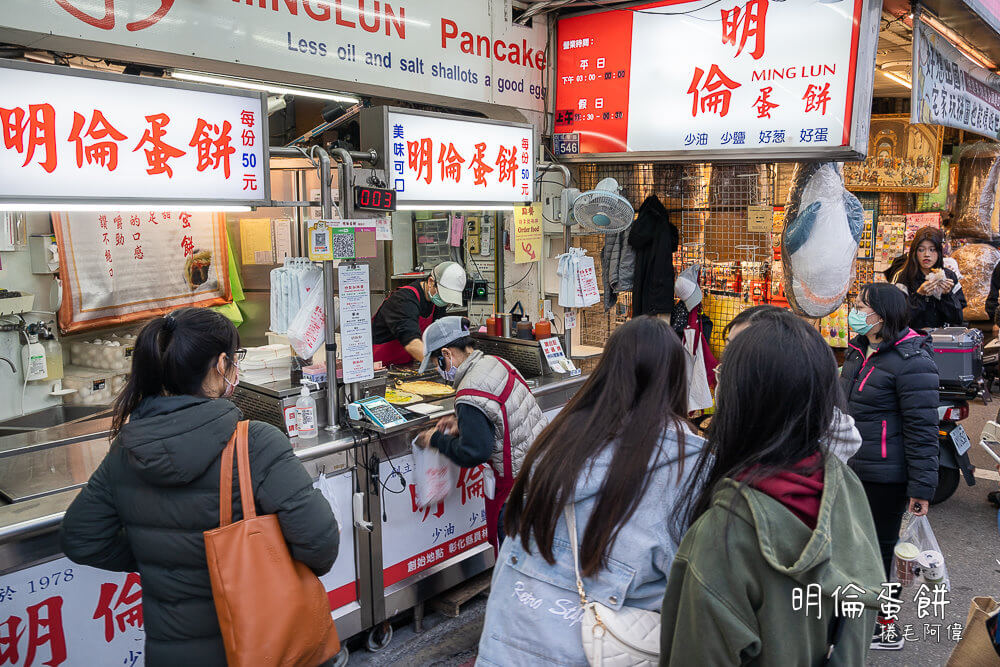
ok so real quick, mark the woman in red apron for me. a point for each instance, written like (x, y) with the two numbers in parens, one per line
(393, 352)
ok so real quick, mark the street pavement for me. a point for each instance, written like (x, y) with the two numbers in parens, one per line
(966, 529)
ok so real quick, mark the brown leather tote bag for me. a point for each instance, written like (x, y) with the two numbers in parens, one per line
(272, 609)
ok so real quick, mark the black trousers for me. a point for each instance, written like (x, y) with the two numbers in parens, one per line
(888, 504)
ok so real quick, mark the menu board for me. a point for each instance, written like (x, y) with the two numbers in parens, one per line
(355, 323)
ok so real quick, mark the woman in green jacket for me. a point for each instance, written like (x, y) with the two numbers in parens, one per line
(780, 534)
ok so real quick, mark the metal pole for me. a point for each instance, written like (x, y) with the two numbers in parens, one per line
(329, 304)
(567, 242)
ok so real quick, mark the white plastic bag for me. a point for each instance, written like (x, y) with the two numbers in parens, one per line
(434, 475)
(307, 329)
(489, 481)
(918, 558)
(699, 391)
(325, 486)
(588, 293)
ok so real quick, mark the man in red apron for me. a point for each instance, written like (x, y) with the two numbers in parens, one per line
(496, 417)
(401, 320)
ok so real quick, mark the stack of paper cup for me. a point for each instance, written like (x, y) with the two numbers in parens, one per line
(906, 562)
(931, 566)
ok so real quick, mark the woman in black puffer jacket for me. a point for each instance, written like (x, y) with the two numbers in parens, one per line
(891, 384)
(930, 308)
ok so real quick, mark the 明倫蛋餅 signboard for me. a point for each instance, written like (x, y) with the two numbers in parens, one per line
(717, 79)
(78, 137)
(417, 50)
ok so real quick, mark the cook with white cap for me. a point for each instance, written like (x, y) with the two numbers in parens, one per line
(496, 416)
(406, 313)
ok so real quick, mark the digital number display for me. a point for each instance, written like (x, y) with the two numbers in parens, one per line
(374, 198)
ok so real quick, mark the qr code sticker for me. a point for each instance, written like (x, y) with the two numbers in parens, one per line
(320, 239)
(343, 246)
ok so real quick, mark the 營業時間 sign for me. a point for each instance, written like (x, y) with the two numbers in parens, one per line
(709, 80)
(434, 159)
(72, 137)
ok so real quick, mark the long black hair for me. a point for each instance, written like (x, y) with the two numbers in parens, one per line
(891, 305)
(911, 275)
(172, 356)
(770, 414)
(637, 391)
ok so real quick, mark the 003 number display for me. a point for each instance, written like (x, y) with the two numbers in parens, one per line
(374, 198)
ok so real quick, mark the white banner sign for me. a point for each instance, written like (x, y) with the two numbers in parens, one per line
(79, 137)
(708, 78)
(121, 266)
(356, 323)
(948, 89)
(433, 159)
(468, 50)
(68, 615)
(414, 539)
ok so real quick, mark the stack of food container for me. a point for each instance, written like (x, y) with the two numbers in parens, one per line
(100, 369)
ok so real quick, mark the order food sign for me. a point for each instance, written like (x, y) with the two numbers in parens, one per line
(71, 136)
(438, 158)
(704, 79)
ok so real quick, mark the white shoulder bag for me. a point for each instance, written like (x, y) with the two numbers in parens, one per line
(629, 637)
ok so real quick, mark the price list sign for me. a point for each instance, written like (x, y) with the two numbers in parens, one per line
(715, 79)
(356, 323)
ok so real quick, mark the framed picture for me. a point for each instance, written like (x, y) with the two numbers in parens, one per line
(901, 157)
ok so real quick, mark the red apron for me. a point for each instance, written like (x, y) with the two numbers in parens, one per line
(505, 478)
(393, 352)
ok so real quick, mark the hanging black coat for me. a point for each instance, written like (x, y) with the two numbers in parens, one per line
(654, 239)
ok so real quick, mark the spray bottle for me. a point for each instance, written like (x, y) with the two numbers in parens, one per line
(305, 412)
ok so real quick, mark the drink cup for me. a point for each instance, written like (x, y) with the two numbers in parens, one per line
(906, 561)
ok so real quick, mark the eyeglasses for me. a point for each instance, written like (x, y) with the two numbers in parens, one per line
(240, 354)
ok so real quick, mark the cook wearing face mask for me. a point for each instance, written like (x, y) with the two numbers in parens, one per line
(401, 320)
(496, 417)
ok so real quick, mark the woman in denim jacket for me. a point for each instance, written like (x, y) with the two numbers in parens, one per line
(621, 452)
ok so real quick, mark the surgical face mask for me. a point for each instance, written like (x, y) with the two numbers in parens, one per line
(438, 301)
(448, 375)
(230, 386)
(858, 321)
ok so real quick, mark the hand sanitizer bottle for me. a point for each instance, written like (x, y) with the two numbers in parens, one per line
(305, 413)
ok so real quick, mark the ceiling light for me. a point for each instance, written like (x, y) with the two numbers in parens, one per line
(112, 206)
(455, 206)
(250, 84)
(898, 79)
(967, 49)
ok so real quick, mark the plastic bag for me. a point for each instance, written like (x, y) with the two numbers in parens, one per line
(976, 262)
(918, 558)
(307, 329)
(434, 475)
(489, 481)
(699, 393)
(979, 170)
(325, 486)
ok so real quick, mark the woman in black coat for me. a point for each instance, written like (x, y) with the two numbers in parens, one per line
(891, 384)
(145, 508)
(930, 307)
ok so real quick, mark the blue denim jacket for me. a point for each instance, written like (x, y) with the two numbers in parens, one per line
(533, 615)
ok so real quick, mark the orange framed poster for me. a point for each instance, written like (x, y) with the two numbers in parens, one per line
(124, 266)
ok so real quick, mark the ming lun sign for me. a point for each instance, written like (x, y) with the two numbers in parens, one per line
(687, 79)
(73, 137)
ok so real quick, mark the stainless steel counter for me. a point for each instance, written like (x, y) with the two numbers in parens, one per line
(46, 468)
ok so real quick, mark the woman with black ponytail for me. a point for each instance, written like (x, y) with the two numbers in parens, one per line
(145, 508)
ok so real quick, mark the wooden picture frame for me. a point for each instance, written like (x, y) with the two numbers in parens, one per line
(902, 157)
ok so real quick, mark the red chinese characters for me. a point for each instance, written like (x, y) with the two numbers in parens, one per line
(764, 103)
(478, 165)
(129, 601)
(187, 244)
(743, 24)
(26, 132)
(471, 483)
(420, 154)
(438, 509)
(44, 630)
(451, 163)
(159, 151)
(817, 98)
(104, 153)
(507, 165)
(214, 145)
(719, 89)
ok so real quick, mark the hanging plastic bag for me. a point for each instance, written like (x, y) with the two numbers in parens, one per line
(434, 475)
(588, 292)
(489, 481)
(325, 486)
(307, 329)
(918, 558)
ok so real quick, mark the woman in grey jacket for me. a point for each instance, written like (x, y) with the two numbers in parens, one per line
(620, 452)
